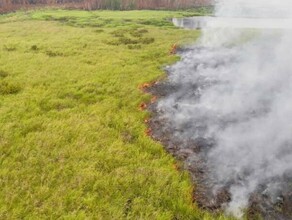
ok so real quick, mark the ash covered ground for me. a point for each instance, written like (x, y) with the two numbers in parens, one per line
(225, 112)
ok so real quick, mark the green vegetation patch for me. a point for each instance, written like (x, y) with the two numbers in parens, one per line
(7, 88)
(3, 74)
(103, 19)
(133, 37)
(73, 142)
(9, 48)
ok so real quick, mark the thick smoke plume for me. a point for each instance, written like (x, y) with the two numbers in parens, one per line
(234, 90)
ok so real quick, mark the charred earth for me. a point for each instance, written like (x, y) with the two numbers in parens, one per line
(187, 141)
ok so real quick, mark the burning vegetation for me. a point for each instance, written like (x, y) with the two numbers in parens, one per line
(194, 150)
(224, 111)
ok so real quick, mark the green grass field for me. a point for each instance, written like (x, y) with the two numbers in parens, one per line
(72, 138)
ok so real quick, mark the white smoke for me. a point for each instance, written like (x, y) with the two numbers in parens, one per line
(237, 91)
(253, 8)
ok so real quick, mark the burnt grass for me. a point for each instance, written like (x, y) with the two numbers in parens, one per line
(191, 155)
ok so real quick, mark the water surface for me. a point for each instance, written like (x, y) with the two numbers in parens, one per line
(203, 22)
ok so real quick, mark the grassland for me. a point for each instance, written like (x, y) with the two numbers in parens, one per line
(72, 138)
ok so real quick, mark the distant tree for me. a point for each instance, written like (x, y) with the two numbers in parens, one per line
(8, 5)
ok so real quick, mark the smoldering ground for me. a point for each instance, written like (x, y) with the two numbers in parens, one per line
(226, 110)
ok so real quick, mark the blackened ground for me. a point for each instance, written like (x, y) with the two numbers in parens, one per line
(192, 154)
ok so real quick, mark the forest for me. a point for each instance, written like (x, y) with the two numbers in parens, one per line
(10, 5)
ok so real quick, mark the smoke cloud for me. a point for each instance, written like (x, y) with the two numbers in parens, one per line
(234, 89)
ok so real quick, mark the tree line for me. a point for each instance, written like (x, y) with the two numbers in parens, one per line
(142, 4)
(9, 5)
